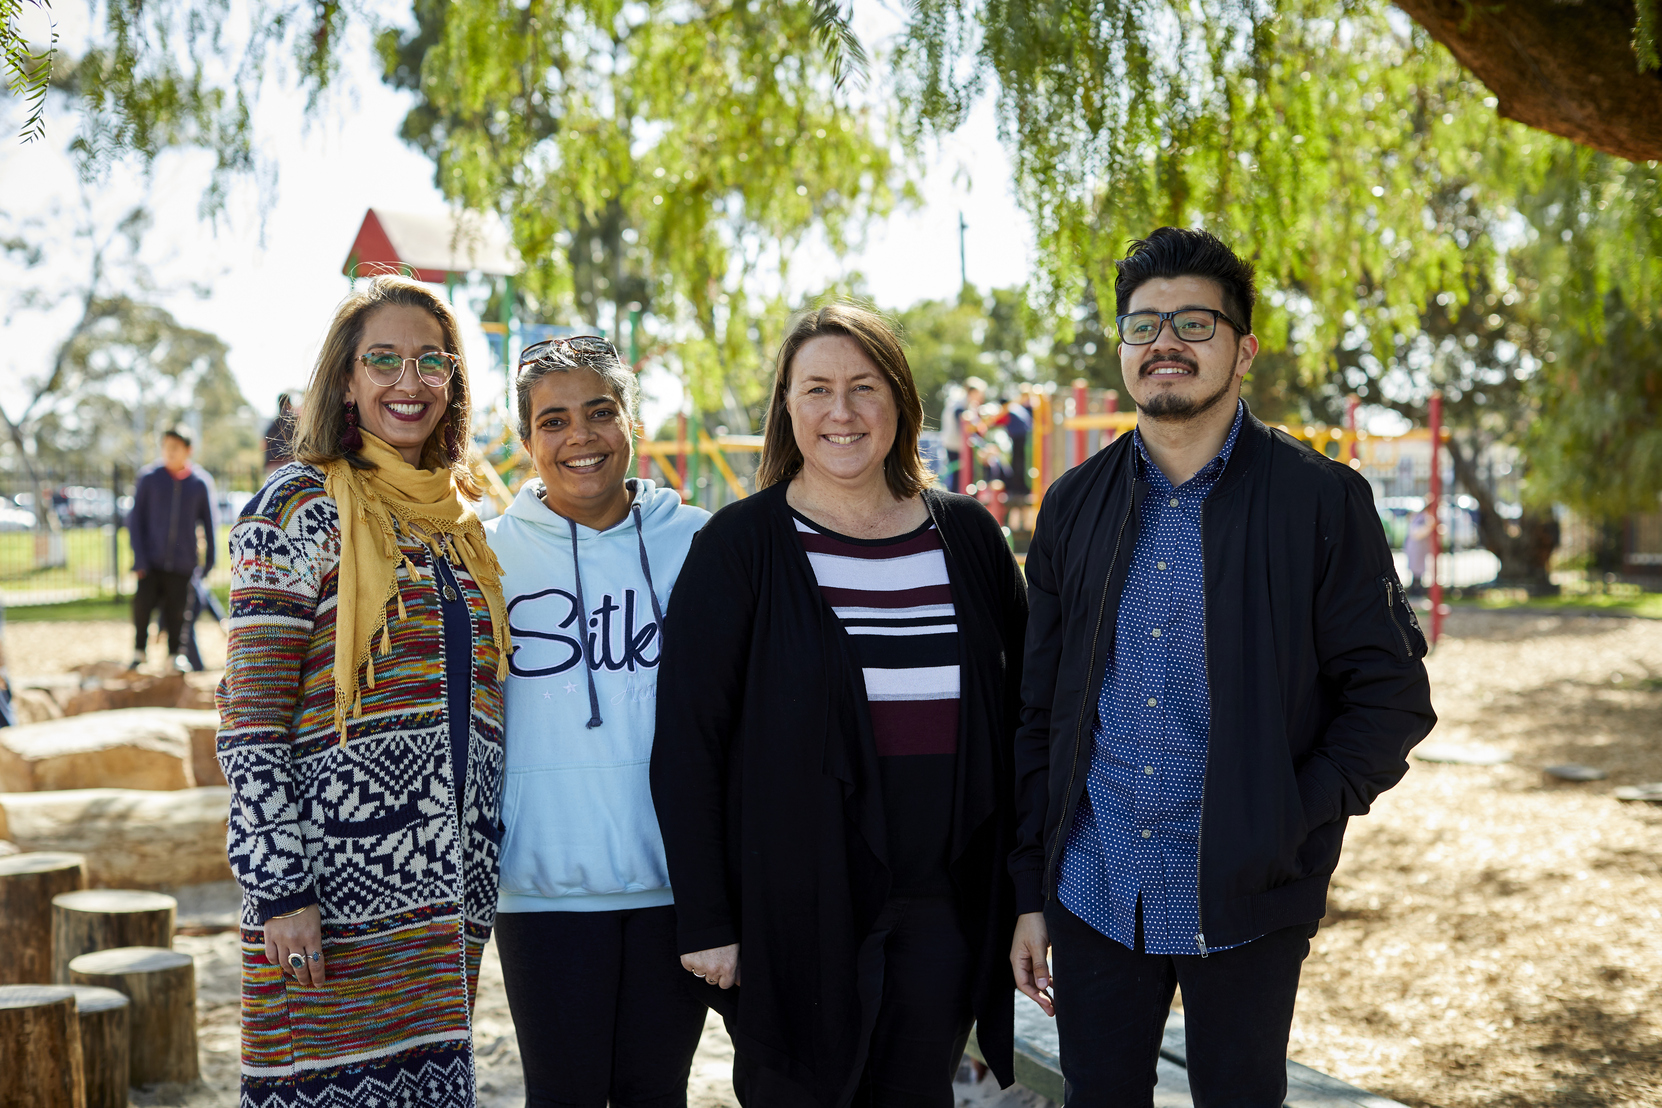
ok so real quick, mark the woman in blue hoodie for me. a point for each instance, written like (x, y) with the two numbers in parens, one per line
(586, 923)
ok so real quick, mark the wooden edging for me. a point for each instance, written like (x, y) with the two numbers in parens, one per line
(1038, 1067)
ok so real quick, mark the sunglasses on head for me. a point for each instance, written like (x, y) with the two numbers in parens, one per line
(575, 344)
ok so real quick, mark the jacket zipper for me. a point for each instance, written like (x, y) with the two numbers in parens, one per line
(1073, 766)
(172, 527)
(1390, 617)
(1206, 670)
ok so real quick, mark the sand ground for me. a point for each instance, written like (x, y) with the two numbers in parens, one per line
(1494, 936)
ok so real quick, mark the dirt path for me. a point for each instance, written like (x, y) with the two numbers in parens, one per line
(41, 649)
(1494, 939)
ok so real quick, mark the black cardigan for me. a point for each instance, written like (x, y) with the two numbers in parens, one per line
(765, 780)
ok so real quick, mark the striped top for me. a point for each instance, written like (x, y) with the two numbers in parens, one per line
(894, 599)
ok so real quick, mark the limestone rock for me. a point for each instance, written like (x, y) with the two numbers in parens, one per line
(133, 838)
(35, 706)
(127, 689)
(132, 748)
(199, 690)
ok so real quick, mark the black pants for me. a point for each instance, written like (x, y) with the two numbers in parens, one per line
(1111, 1007)
(600, 1008)
(170, 591)
(918, 964)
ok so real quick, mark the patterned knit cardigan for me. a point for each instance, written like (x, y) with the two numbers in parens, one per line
(406, 877)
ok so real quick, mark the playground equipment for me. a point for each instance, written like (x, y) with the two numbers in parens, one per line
(1070, 427)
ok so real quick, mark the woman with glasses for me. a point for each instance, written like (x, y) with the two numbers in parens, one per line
(586, 919)
(361, 725)
(836, 718)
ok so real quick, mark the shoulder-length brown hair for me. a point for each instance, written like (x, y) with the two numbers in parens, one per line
(318, 430)
(782, 459)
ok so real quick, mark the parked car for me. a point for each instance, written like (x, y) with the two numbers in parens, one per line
(14, 518)
(84, 506)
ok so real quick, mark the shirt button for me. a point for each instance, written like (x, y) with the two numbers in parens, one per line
(1155, 632)
(1160, 565)
(1152, 702)
(1148, 834)
(1174, 501)
(1148, 769)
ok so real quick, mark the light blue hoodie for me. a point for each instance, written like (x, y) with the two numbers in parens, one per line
(580, 833)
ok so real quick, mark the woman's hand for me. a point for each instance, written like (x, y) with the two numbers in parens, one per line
(717, 966)
(303, 935)
(1027, 958)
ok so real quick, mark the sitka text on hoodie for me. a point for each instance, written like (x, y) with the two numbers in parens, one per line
(579, 830)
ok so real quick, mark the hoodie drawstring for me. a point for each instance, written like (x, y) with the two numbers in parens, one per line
(646, 568)
(583, 632)
(583, 609)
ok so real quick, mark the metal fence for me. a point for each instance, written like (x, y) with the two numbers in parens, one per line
(63, 532)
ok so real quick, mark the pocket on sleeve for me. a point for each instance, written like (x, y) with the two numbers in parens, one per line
(1406, 637)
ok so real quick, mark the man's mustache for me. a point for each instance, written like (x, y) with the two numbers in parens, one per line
(1167, 359)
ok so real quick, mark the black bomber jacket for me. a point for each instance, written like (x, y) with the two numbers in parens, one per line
(1313, 662)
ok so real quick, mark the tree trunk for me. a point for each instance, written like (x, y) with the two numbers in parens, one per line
(1523, 545)
(1567, 68)
(40, 1039)
(28, 882)
(104, 1045)
(103, 919)
(162, 1020)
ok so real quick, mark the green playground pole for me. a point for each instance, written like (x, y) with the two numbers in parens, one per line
(507, 317)
(693, 495)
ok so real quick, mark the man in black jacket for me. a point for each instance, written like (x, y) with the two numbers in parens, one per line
(1221, 670)
(170, 501)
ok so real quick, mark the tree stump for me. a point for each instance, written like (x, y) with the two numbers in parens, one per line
(40, 1040)
(104, 1045)
(103, 919)
(161, 1023)
(28, 882)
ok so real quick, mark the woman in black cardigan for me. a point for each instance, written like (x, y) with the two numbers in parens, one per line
(832, 771)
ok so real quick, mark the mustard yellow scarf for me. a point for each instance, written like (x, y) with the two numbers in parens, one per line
(375, 504)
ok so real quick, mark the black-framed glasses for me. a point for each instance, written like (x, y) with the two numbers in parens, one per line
(1188, 324)
(434, 368)
(577, 344)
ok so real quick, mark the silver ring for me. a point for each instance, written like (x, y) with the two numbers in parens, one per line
(298, 961)
(317, 956)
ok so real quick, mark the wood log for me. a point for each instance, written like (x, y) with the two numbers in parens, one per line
(161, 1023)
(103, 919)
(28, 882)
(40, 1039)
(104, 1045)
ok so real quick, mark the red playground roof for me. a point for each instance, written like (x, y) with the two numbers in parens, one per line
(436, 247)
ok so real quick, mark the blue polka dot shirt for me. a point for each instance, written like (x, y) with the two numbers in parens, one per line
(1136, 833)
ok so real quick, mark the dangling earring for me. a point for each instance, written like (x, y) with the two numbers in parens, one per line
(452, 443)
(350, 439)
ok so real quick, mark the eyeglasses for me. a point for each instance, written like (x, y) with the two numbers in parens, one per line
(578, 344)
(1188, 324)
(434, 368)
